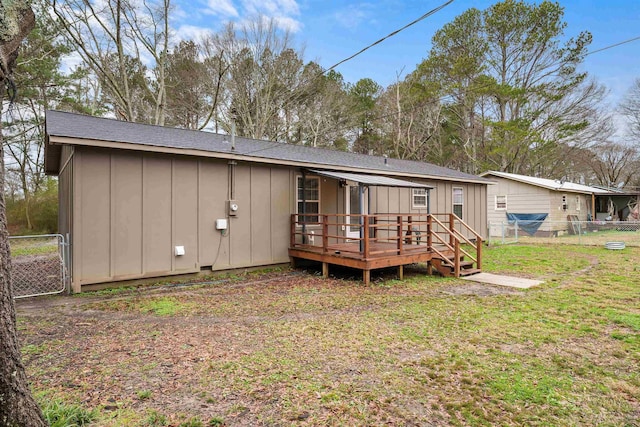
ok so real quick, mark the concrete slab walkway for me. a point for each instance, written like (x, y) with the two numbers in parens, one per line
(495, 279)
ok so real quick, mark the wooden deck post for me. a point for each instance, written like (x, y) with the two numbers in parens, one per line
(325, 233)
(399, 235)
(325, 270)
(366, 276)
(452, 226)
(366, 236)
(401, 272)
(456, 261)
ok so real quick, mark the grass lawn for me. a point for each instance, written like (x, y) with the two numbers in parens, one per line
(290, 348)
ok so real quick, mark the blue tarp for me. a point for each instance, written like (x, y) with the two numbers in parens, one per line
(528, 222)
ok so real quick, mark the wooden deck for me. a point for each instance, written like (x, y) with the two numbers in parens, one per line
(389, 241)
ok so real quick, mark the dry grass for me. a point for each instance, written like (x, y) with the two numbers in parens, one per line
(288, 348)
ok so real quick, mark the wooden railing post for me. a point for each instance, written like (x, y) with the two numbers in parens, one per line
(399, 236)
(292, 236)
(429, 231)
(479, 253)
(457, 259)
(375, 229)
(452, 225)
(366, 236)
(409, 231)
(325, 233)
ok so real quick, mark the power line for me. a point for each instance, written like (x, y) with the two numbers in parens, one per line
(613, 45)
(486, 86)
(377, 42)
(426, 15)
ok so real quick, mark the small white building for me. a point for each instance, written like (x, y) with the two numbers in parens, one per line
(522, 196)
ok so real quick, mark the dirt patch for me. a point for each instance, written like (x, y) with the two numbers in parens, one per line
(480, 290)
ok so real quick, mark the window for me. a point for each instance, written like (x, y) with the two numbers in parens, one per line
(501, 203)
(564, 203)
(308, 199)
(578, 203)
(458, 201)
(419, 198)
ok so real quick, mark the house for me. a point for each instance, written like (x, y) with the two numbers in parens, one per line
(549, 202)
(140, 201)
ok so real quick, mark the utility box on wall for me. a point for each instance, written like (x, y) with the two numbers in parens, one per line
(232, 208)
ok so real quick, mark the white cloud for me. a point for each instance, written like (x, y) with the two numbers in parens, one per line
(221, 7)
(272, 8)
(354, 15)
(283, 12)
(191, 32)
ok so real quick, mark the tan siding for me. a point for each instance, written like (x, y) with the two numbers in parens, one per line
(280, 214)
(260, 216)
(240, 225)
(157, 224)
(126, 221)
(92, 250)
(212, 196)
(185, 213)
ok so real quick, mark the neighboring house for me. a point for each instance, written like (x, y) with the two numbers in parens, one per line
(139, 201)
(515, 194)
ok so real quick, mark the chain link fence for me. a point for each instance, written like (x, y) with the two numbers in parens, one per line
(591, 233)
(38, 265)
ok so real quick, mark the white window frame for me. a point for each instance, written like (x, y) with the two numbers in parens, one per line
(505, 203)
(298, 200)
(415, 205)
(453, 200)
(577, 203)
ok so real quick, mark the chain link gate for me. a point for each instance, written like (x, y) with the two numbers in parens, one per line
(38, 265)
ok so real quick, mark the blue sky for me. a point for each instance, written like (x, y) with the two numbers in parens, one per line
(330, 31)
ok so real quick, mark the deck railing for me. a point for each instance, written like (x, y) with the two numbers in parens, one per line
(389, 234)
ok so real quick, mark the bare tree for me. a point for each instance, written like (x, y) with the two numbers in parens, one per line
(17, 406)
(615, 164)
(263, 79)
(125, 43)
(630, 107)
(322, 109)
(410, 116)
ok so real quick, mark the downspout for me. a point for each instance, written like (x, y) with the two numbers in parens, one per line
(593, 207)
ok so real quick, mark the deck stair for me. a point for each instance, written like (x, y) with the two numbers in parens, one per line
(447, 268)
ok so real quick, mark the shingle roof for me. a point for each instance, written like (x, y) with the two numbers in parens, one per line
(88, 128)
(548, 183)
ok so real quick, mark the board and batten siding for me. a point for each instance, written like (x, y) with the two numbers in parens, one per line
(132, 209)
(399, 200)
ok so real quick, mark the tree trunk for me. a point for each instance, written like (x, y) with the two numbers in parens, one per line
(17, 406)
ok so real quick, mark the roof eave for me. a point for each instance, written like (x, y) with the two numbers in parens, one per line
(57, 141)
